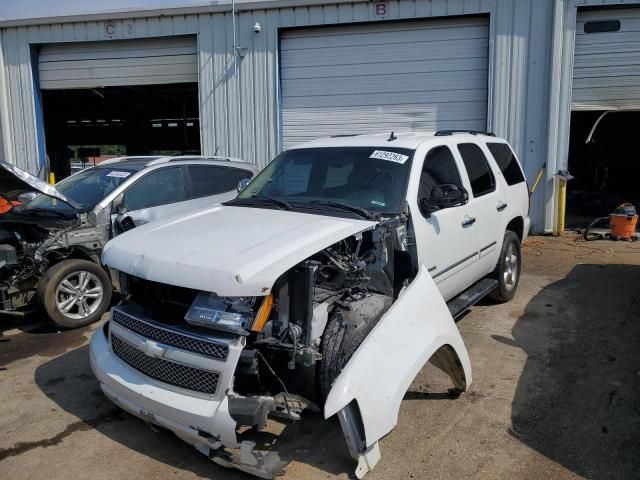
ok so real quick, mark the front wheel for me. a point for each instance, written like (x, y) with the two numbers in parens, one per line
(507, 270)
(348, 326)
(75, 293)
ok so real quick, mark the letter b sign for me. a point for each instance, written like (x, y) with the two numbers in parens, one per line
(382, 9)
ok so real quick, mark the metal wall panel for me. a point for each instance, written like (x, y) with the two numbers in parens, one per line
(606, 69)
(384, 77)
(118, 63)
(239, 102)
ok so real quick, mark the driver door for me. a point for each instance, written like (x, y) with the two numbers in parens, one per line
(159, 194)
(446, 238)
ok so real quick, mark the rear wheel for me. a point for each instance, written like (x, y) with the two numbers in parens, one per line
(507, 270)
(75, 293)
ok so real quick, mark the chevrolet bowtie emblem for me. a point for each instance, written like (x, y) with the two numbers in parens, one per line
(153, 349)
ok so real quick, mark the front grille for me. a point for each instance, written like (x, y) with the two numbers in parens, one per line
(174, 338)
(165, 371)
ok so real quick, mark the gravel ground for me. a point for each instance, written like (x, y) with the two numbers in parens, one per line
(556, 393)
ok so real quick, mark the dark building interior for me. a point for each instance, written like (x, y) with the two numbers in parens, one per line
(81, 124)
(606, 168)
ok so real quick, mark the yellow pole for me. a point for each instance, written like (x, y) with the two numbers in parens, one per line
(52, 178)
(562, 204)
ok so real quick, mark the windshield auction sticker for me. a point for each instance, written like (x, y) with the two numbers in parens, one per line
(117, 174)
(391, 156)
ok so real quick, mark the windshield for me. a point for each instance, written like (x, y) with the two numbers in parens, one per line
(369, 178)
(86, 188)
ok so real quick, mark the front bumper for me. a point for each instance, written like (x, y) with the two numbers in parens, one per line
(200, 420)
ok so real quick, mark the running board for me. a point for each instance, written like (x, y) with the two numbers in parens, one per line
(472, 295)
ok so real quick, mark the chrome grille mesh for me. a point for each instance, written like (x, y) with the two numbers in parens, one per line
(172, 373)
(173, 338)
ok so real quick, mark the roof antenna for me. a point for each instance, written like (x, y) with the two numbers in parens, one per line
(392, 137)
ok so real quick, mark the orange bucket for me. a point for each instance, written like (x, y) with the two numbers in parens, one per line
(623, 222)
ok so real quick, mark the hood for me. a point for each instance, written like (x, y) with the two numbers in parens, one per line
(14, 181)
(228, 250)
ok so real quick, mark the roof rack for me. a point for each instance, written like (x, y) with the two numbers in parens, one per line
(340, 135)
(443, 133)
(178, 158)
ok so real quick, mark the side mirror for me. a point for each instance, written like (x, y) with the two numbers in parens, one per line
(118, 205)
(242, 184)
(444, 196)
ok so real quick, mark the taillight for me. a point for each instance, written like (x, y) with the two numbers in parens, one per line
(528, 195)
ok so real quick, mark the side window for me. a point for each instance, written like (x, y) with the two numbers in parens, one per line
(507, 162)
(439, 167)
(212, 180)
(480, 176)
(159, 187)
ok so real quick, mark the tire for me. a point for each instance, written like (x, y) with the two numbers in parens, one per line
(345, 331)
(69, 304)
(508, 269)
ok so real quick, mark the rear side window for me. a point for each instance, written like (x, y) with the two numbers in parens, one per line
(212, 180)
(439, 167)
(507, 162)
(480, 176)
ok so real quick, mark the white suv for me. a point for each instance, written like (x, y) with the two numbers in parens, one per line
(332, 278)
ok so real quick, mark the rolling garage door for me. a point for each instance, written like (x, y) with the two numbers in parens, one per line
(606, 72)
(118, 63)
(381, 77)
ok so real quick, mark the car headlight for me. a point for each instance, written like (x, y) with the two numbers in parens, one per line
(232, 314)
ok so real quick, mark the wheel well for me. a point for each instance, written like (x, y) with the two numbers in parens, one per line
(81, 253)
(516, 225)
(84, 254)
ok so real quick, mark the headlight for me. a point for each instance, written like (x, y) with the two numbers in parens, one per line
(232, 314)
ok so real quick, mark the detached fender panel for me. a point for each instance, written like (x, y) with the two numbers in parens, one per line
(417, 326)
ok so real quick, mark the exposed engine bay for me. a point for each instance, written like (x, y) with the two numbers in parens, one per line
(295, 341)
(353, 281)
(30, 242)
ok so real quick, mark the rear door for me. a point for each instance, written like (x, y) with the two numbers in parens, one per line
(487, 203)
(445, 239)
(513, 181)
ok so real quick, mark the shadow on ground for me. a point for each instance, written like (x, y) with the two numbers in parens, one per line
(69, 382)
(578, 398)
(39, 337)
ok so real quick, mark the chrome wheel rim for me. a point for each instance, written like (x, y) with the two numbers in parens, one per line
(510, 273)
(79, 295)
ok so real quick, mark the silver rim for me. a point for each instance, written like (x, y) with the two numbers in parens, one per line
(510, 273)
(78, 295)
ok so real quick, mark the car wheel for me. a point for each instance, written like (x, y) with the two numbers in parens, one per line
(75, 293)
(507, 270)
(345, 331)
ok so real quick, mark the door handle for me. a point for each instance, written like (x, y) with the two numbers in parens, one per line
(501, 206)
(467, 221)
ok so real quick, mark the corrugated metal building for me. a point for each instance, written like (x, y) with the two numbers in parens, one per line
(500, 65)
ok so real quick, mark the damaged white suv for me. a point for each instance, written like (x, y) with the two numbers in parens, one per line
(331, 280)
